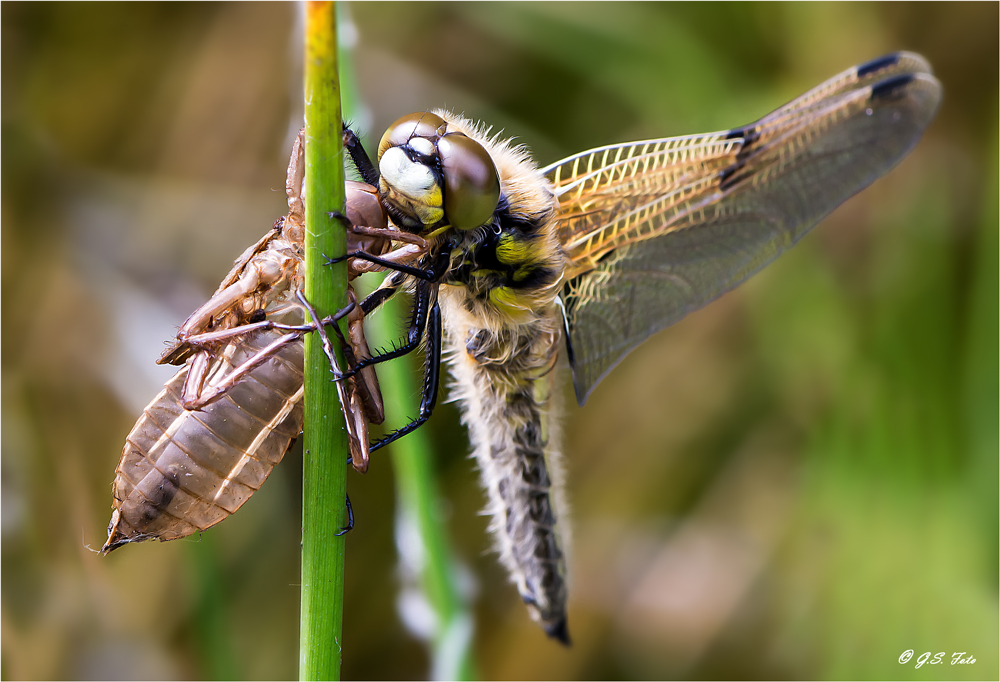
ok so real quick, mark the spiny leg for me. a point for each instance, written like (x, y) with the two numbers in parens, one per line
(418, 319)
(414, 333)
(390, 286)
(369, 172)
(432, 374)
(429, 274)
(350, 518)
(433, 272)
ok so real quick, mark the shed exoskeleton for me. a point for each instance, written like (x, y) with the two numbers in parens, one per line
(208, 441)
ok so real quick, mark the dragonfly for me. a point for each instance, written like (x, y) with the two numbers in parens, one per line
(212, 436)
(594, 254)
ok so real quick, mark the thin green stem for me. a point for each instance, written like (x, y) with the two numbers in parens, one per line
(324, 483)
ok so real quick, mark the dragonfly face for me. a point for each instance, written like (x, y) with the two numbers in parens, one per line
(601, 250)
(429, 171)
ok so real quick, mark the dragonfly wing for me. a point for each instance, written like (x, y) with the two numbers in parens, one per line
(657, 229)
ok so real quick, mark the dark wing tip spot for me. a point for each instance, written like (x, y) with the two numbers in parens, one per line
(559, 631)
(877, 64)
(890, 86)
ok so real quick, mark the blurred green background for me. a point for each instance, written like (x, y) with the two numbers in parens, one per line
(799, 481)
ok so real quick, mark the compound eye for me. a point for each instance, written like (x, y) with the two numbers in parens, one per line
(420, 124)
(472, 186)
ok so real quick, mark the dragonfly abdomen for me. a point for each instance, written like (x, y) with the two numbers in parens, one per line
(504, 383)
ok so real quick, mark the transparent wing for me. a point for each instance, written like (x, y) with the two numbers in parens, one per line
(657, 229)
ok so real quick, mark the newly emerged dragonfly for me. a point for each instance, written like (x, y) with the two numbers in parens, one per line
(598, 252)
(208, 441)
(506, 263)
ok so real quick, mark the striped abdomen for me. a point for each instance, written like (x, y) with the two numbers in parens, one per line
(183, 471)
(504, 382)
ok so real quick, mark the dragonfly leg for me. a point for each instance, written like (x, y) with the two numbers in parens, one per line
(368, 170)
(350, 519)
(356, 423)
(200, 319)
(360, 398)
(208, 339)
(366, 380)
(207, 395)
(195, 379)
(197, 396)
(432, 374)
(388, 234)
(325, 339)
(430, 274)
(395, 260)
(390, 286)
(414, 333)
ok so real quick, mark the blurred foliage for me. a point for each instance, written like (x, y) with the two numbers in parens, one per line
(798, 481)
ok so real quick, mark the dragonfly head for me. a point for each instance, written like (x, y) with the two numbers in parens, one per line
(432, 176)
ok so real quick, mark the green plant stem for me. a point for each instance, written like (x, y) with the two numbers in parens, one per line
(324, 471)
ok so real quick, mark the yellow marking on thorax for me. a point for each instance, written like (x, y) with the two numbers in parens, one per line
(514, 251)
(510, 303)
